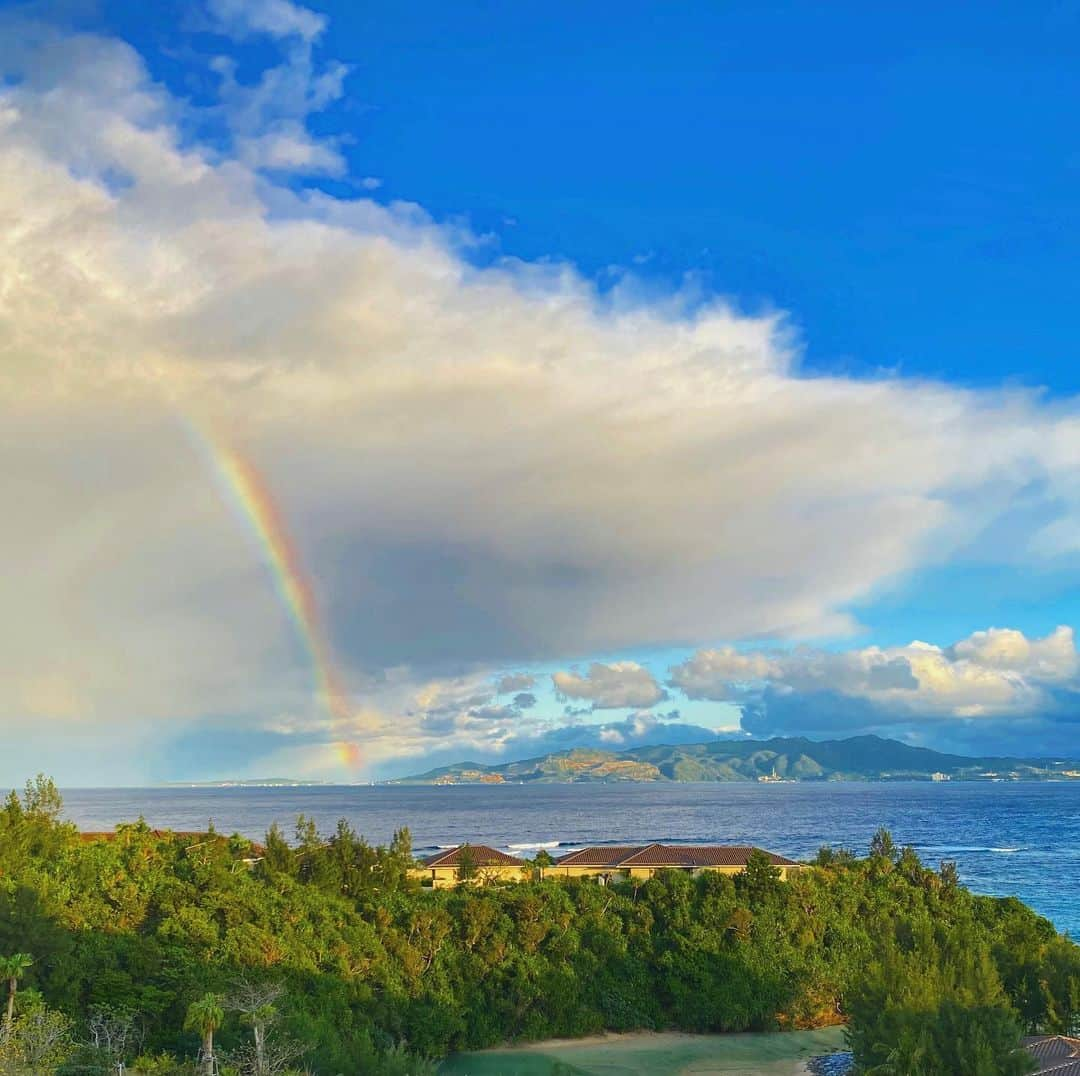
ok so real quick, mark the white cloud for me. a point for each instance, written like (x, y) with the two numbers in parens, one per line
(483, 467)
(990, 673)
(277, 18)
(268, 117)
(1048, 660)
(510, 683)
(611, 687)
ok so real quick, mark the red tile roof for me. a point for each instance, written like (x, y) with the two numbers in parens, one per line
(601, 856)
(667, 855)
(1057, 1054)
(482, 856)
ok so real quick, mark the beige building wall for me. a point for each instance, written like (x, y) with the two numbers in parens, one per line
(447, 877)
(579, 872)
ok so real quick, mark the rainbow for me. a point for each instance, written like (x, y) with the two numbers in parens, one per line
(246, 490)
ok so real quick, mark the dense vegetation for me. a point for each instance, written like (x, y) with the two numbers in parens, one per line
(144, 944)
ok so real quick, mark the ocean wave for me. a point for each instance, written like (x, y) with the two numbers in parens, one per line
(950, 849)
(529, 846)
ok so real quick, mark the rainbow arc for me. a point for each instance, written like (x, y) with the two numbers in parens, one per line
(246, 490)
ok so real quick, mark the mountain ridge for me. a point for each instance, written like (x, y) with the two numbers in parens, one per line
(792, 758)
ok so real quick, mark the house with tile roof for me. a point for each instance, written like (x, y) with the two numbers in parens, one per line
(484, 865)
(612, 862)
(1057, 1054)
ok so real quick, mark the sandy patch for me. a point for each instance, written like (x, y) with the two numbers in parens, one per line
(653, 1054)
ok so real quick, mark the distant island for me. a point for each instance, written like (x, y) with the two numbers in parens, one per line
(251, 782)
(858, 758)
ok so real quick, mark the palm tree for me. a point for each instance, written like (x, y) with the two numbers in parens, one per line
(205, 1016)
(12, 968)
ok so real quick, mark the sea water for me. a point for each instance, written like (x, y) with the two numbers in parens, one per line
(1008, 839)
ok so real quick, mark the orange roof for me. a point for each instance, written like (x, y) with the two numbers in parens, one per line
(482, 856)
(1056, 1054)
(668, 855)
(599, 856)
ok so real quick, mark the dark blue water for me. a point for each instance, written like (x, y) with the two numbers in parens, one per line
(1008, 839)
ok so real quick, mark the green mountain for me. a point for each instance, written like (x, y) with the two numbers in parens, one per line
(859, 758)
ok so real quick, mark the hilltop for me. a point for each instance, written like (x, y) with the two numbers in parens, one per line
(859, 758)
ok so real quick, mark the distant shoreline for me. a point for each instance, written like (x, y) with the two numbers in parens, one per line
(780, 760)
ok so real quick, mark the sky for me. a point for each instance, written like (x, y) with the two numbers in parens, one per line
(390, 385)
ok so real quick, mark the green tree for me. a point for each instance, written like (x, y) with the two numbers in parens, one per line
(949, 875)
(467, 868)
(759, 880)
(541, 861)
(205, 1016)
(278, 857)
(12, 968)
(40, 1040)
(934, 1009)
(882, 846)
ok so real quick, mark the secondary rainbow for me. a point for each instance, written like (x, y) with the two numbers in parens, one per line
(247, 491)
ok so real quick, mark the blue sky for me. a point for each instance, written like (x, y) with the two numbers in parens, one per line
(902, 181)
(880, 204)
(903, 184)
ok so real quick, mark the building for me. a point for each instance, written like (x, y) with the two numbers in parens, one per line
(487, 865)
(612, 862)
(1055, 1053)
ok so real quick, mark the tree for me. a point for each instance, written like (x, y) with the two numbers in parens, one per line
(13, 968)
(760, 879)
(910, 865)
(40, 1040)
(205, 1016)
(950, 876)
(42, 801)
(257, 1005)
(541, 861)
(277, 1056)
(882, 846)
(466, 870)
(934, 1010)
(113, 1034)
(398, 861)
(278, 857)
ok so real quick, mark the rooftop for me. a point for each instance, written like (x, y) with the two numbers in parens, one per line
(668, 855)
(482, 856)
(1058, 1054)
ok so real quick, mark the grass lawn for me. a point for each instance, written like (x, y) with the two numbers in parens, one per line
(649, 1054)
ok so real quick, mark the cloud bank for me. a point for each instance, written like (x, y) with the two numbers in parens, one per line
(620, 685)
(484, 469)
(997, 681)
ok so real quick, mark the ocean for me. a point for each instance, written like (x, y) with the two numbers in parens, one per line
(1008, 839)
